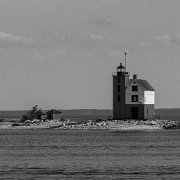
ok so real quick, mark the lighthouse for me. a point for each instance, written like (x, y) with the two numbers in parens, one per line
(133, 98)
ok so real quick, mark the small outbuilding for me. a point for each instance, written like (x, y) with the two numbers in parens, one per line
(41, 115)
(54, 114)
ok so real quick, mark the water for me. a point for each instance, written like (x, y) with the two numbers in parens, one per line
(66, 154)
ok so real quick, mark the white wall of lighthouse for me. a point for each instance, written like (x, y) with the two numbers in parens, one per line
(149, 97)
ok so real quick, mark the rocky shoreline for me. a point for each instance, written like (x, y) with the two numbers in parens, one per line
(101, 125)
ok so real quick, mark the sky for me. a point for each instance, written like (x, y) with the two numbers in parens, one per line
(61, 53)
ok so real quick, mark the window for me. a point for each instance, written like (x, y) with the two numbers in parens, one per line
(134, 88)
(119, 98)
(134, 98)
(119, 88)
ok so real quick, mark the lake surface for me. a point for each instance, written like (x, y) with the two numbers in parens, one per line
(74, 154)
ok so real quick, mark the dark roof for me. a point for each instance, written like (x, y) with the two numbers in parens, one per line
(120, 66)
(143, 83)
(54, 111)
(42, 112)
(129, 82)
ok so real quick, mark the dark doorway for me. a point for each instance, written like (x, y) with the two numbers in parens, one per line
(39, 116)
(134, 112)
(50, 116)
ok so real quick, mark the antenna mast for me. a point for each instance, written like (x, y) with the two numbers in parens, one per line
(125, 60)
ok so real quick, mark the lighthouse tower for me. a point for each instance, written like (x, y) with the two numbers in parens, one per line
(132, 98)
(120, 81)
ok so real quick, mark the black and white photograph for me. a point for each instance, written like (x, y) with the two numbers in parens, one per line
(89, 89)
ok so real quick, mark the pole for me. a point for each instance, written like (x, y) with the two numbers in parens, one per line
(125, 60)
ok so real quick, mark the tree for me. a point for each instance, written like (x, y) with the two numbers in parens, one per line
(31, 115)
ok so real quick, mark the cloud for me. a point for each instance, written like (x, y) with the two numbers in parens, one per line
(176, 39)
(37, 54)
(78, 42)
(162, 40)
(87, 42)
(100, 21)
(13, 38)
(97, 37)
(8, 40)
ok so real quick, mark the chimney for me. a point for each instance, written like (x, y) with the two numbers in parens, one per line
(134, 76)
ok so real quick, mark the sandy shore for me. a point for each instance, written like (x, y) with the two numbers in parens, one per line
(44, 125)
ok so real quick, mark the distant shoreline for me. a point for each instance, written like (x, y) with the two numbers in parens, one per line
(161, 113)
